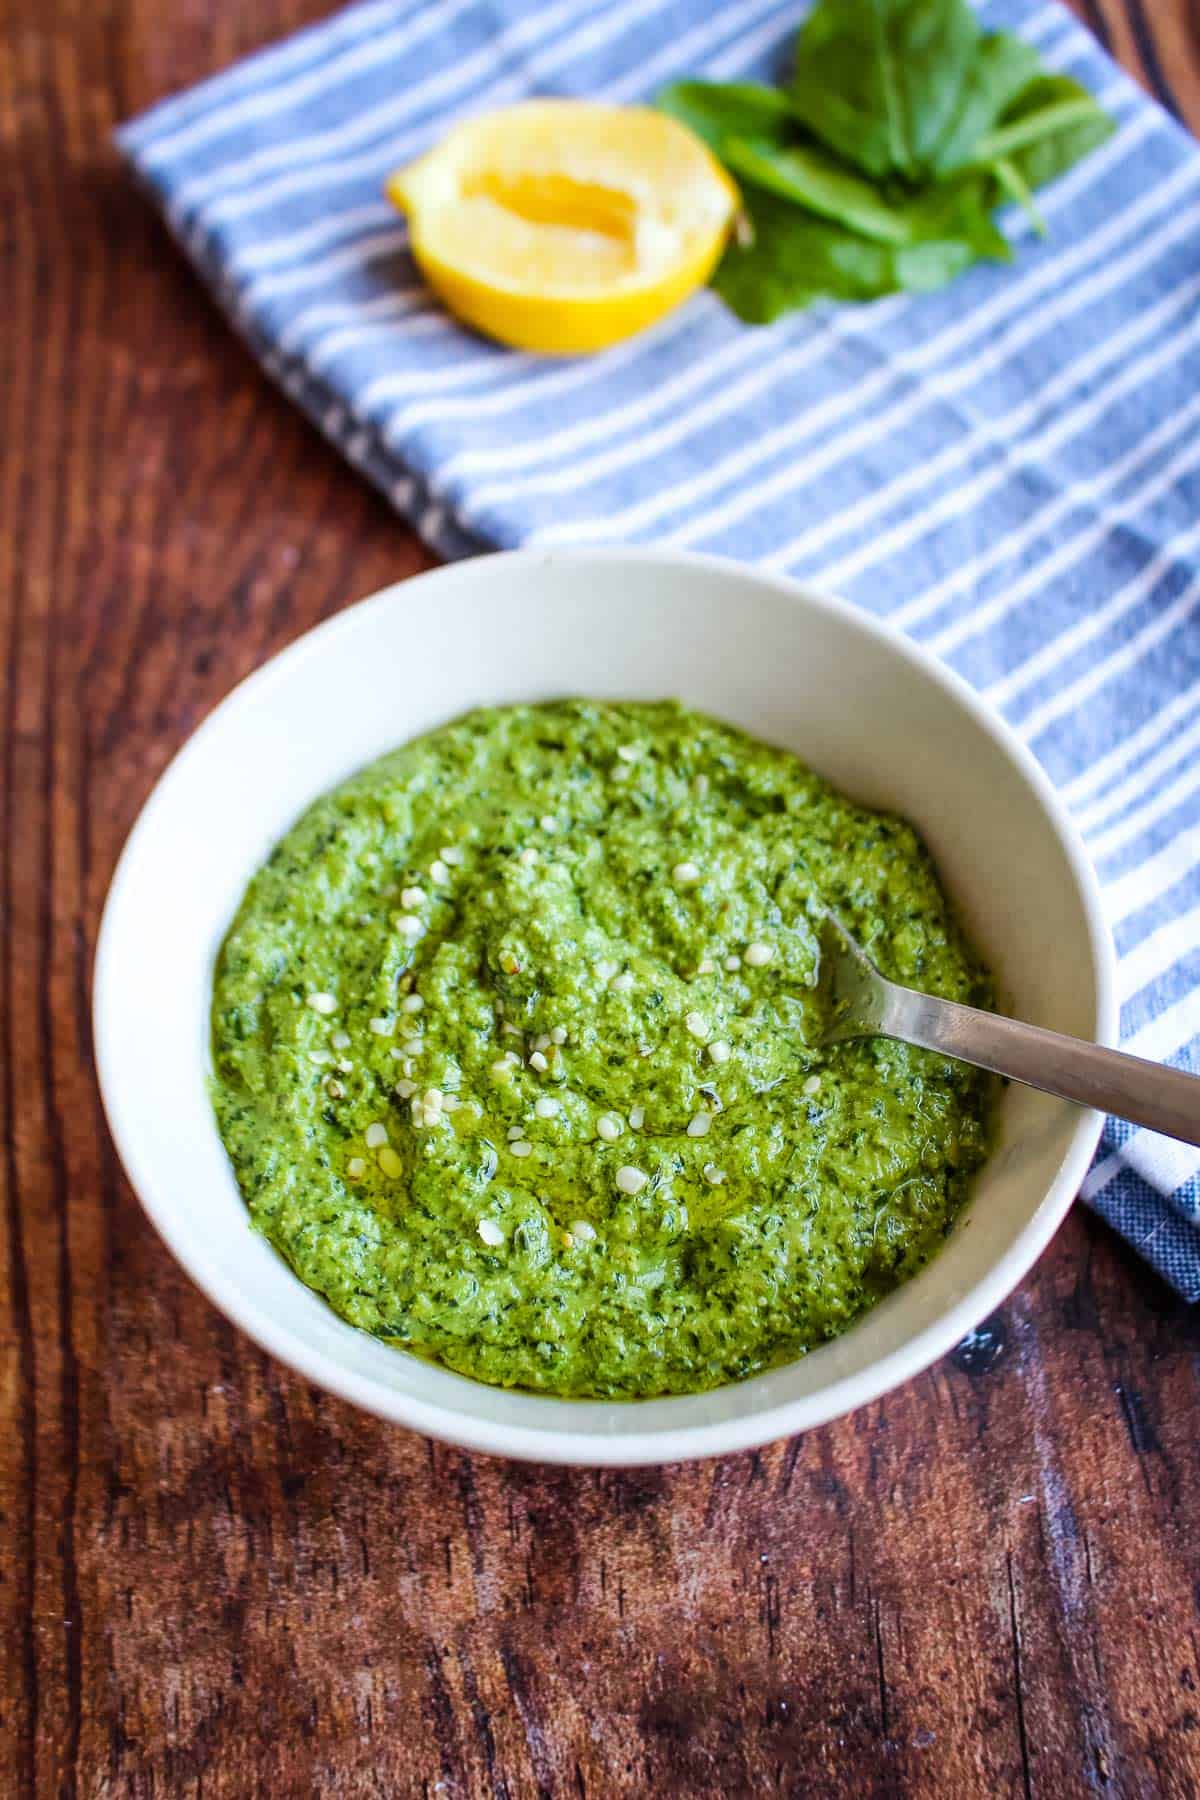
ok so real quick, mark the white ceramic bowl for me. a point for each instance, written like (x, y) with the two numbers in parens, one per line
(870, 711)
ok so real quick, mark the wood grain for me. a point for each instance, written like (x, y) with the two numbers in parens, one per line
(215, 1580)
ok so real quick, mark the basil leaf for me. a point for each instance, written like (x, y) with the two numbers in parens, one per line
(1003, 67)
(958, 210)
(812, 178)
(815, 179)
(1014, 186)
(795, 257)
(879, 171)
(716, 111)
(1052, 125)
(883, 82)
(921, 268)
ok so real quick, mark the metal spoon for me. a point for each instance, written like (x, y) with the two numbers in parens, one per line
(857, 1001)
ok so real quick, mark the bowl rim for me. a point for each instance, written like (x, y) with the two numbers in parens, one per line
(637, 1446)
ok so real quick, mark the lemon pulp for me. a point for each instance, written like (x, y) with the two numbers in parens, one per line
(564, 226)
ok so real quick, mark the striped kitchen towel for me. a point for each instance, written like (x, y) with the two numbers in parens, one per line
(1009, 469)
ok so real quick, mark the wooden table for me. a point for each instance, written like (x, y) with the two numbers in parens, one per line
(215, 1580)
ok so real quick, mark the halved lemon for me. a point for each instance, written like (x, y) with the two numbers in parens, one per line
(562, 225)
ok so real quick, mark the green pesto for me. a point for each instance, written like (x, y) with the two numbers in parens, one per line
(823, 1179)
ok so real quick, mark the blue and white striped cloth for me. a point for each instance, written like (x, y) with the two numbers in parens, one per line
(1009, 469)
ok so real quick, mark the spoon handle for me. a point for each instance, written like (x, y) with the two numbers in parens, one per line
(1147, 1093)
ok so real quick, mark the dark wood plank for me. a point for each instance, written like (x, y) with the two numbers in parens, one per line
(215, 1580)
(1158, 43)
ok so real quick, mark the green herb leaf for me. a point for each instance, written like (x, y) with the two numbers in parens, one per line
(1013, 184)
(1052, 125)
(812, 178)
(795, 257)
(717, 111)
(819, 181)
(923, 126)
(959, 210)
(885, 82)
(1003, 67)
